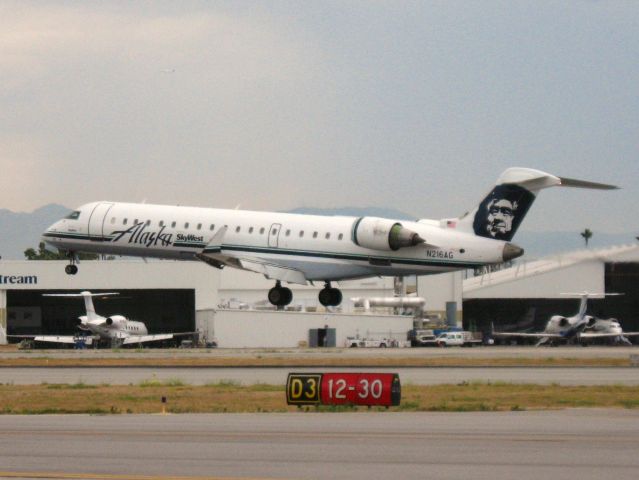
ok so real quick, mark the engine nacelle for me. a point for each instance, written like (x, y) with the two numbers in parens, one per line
(590, 321)
(383, 234)
(563, 322)
(114, 320)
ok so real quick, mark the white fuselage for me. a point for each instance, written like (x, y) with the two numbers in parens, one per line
(113, 327)
(322, 247)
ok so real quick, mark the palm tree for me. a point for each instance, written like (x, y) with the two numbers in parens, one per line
(587, 234)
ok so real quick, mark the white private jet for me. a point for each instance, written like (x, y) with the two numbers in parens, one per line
(297, 248)
(578, 328)
(116, 330)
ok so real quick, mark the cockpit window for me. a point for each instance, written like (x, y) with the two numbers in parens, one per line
(73, 215)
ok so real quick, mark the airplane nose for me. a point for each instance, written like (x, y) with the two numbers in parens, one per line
(512, 251)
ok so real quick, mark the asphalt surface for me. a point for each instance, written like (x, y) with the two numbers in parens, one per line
(324, 353)
(569, 444)
(277, 376)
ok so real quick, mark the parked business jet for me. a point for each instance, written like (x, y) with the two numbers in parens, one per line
(578, 328)
(297, 248)
(115, 330)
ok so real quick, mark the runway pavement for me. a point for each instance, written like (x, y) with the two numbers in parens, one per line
(277, 376)
(570, 444)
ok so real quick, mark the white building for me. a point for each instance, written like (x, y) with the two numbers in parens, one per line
(531, 291)
(184, 296)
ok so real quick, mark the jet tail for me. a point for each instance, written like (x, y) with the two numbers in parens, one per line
(88, 301)
(501, 212)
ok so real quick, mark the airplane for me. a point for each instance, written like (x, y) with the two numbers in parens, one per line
(117, 330)
(579, 328)
(302, 249)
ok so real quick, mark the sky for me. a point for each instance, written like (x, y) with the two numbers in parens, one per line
(417, 106)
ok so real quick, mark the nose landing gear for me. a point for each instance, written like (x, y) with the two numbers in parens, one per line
(72, 268)
(280, 296)
(330, 297)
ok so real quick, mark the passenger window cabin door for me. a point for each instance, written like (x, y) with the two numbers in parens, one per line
(274, 234)
(96, 221)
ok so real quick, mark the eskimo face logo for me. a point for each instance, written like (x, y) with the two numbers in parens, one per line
(501, 212)
(500, 216)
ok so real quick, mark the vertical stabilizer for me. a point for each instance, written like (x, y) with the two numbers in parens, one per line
(88, 304)
(501, 212)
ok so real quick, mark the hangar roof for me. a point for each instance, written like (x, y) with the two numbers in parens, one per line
(581, 270)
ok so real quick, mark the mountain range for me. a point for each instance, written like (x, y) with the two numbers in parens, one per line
(19, 231)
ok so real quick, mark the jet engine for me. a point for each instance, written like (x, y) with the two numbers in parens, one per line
(590, 321)
(563, 322)
(114, 320)
(383, 234)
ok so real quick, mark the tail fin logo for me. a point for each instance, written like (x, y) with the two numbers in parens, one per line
(501, 212)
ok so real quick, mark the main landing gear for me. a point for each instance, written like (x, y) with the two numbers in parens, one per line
(280, 296)
(330, 297)
(72, 268)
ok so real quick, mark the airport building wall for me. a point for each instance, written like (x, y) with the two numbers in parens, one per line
(170, 291)
(439, 291)
(527, 295)
(257, 329)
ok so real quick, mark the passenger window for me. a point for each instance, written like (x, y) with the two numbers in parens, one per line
(328, 236)
(237, 229)
(112, 220)
(124, 221)
(301, 233)
(212, 227)
(199, 226)
(288, 233)
(172, 224)
(148, 222)
(314, 234)
(262, 231)
(135, 222)
(186, 225)
(251, 230)
(340, 236)
(161, 224)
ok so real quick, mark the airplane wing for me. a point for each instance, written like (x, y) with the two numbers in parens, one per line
(214, 254)
(147, 338)
(273, 271)
(526, 335)
(66, 339)
(607, 335)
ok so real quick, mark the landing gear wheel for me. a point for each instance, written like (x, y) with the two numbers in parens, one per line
(280, 296)
(71, 269)
(325, 297)
(336, 296)
(330, 297)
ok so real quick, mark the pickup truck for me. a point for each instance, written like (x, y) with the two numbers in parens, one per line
(457, 339)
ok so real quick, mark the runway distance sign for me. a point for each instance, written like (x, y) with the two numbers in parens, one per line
(368, 389)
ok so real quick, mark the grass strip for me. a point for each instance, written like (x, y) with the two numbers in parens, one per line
(258, 361)
(233, 398)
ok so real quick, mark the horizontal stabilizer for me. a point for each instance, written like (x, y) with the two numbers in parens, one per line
(571, 182)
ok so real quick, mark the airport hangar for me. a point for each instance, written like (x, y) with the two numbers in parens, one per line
(526, 295)
(230, 306)
(184, 296)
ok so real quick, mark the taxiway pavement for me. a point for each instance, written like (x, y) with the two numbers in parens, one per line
(569, 444)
